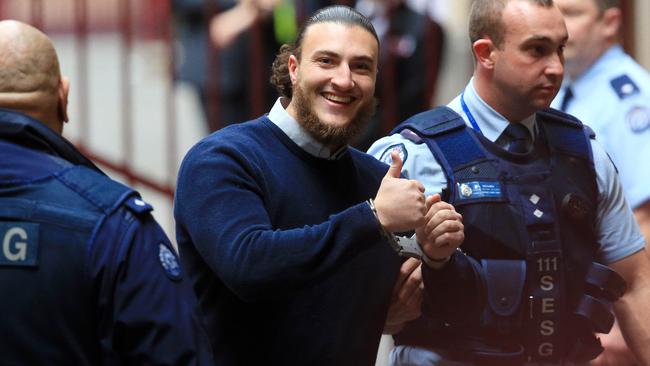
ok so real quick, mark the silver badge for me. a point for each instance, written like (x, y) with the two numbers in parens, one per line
(465, 190)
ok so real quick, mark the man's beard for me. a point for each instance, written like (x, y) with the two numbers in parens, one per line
(330, 136)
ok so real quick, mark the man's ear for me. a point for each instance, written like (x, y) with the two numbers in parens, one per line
(612, 19)
(293, 68)
(64, 91)
(484, 52)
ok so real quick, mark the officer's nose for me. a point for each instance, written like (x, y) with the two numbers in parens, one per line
(555, 66)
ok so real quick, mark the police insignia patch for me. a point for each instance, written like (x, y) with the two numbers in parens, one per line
(624, 86)
(479, 189)
(638, 119)
(169, 262)
(399, 148)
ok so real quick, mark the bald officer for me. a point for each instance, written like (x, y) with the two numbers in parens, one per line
(87, 276)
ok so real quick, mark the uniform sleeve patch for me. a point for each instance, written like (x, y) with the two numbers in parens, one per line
(19, 244)
(399, 148)
(169, 262)
(638, 119)
(624, 86)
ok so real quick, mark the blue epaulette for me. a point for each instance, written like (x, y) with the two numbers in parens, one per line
(106, 194)
(624, 86)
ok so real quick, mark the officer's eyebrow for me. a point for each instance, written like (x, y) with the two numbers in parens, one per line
(545, 39)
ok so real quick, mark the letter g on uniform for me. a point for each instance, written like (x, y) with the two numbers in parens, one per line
(20, 251)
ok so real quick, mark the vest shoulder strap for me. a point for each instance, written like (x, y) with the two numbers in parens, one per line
(566, 133)
(432, 122)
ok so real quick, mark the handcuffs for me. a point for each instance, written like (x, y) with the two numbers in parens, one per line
(406, 246)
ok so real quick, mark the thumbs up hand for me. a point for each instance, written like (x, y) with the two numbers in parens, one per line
(443, 231)
(400, 202)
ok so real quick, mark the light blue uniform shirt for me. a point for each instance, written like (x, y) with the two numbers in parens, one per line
(617, 231)
(613, 98)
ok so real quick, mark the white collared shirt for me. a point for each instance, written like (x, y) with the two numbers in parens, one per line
(285, 122)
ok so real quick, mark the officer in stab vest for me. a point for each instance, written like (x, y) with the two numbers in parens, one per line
(87, 276)
(550, 241)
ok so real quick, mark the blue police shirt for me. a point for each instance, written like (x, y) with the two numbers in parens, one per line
(87, 276)
(613, 98)
(617, 231)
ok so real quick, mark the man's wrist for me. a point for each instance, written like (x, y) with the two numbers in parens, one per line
(435, 263)
(387, 235)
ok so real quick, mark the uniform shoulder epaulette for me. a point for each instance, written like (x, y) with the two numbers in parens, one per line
(102, 191)
(624, 86)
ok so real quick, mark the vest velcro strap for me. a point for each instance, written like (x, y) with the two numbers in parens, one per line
(597, 312)
(604, 282)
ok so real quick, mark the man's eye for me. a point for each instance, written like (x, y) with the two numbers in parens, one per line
(538, 50)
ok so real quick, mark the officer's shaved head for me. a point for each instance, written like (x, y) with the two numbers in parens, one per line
(485, 19)
(30, 78)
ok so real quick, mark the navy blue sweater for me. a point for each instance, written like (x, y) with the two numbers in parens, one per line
(284, 253)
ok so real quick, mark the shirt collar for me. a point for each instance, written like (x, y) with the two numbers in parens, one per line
(491, 122)
(281, 118)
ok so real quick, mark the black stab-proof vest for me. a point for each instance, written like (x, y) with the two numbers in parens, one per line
(530, 222)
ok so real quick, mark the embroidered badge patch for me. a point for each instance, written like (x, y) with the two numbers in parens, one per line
(399, 148)
(478, 189)
(169, 262)
(638, 118)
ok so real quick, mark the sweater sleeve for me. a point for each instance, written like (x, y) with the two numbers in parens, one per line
(221, 205)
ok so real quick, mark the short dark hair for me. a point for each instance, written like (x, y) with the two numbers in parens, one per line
(486, 20)
(606, 4)
(340, 14)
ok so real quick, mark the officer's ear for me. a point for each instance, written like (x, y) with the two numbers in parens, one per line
(484, 53)
(612, 19)
(63, 92)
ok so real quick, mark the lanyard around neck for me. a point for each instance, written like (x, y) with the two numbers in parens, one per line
(469, 114)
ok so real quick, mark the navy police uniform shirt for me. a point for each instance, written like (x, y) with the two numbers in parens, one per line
(613, 98)
(617, 232)
(87, 276)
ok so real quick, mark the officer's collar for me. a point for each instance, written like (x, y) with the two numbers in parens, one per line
(491, 122)
(26, 131)
(602, 64)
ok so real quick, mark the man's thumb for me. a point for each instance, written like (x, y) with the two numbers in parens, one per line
(395, 166)
(432, 199)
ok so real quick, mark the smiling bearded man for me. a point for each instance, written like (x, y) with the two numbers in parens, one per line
(326, 134)
(275, 217)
